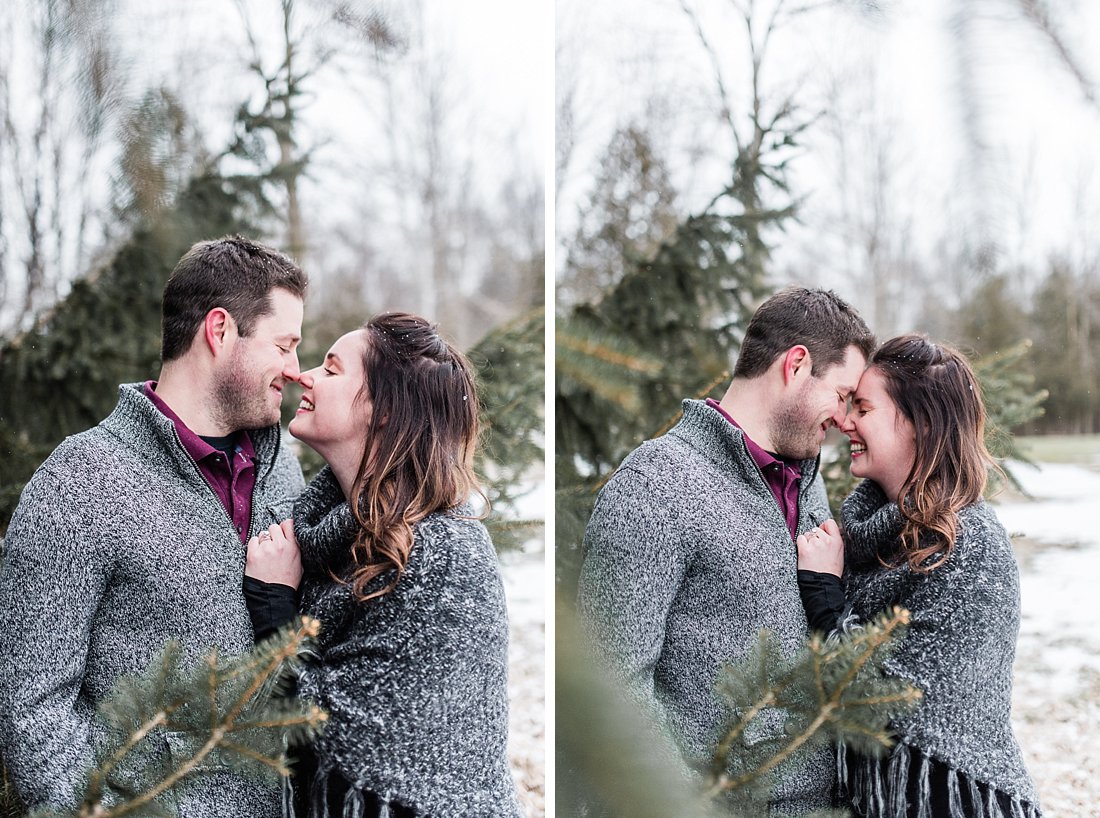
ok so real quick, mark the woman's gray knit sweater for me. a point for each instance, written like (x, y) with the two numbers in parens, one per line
(415, 682)
(959, 650)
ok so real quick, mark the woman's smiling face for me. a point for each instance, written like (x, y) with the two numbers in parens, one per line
(331, 415)
(883, 439)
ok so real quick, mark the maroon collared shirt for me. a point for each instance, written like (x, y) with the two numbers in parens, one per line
(230, 475)
(782, 476)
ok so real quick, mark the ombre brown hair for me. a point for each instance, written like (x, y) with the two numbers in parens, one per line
(421, 436)
(934, 387)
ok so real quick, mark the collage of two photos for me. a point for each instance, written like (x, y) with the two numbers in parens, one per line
(674, 408)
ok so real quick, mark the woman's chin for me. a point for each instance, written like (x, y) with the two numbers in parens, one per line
(299, 431)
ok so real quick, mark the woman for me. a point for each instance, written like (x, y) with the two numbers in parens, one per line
(917, 533)
(411, 663)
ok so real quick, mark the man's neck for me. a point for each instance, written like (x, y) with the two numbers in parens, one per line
(748, 403)
(187, 399)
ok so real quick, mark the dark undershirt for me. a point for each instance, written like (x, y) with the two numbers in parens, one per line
(226, 443)
(270, 606)
(823, 598)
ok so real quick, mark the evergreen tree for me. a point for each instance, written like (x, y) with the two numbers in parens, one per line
(511, 385)
(630, 212)
(62, 375)
(1065, 358)
(683, 307)
(992, 319)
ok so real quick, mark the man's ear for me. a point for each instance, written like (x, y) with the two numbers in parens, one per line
(218, 329)
(796, 362)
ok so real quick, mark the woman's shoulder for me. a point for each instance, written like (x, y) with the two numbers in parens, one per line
(982, 540)
(457, 527)
(454, 542)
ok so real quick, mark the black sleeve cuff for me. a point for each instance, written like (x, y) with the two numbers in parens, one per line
(270, 606)
(823, 598)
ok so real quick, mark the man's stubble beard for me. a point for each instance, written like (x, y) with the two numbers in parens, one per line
(241, 397)
(794, 432)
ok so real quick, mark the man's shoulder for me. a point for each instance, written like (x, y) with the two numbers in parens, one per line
(668, 454)
(86, 452)
(285, 479)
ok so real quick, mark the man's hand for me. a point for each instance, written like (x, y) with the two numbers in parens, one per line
(822, 549)
(273, 556)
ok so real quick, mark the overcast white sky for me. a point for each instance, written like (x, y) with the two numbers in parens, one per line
(1040, 134)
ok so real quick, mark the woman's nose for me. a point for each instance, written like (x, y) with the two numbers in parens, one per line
(847, 422)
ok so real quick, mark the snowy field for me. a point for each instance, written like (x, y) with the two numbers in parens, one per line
(1056, 700)
(524, 585)
(525, 579)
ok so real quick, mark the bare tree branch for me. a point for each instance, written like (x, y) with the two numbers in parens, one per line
(1037, 12)
(712, 53)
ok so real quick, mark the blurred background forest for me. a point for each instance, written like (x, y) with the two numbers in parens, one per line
(394, 149)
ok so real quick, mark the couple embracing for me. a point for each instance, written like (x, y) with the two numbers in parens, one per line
(721, 527)
(183, 515)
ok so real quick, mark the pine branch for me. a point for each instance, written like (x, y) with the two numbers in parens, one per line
(250, 716)
(856, 657)
(275, 764)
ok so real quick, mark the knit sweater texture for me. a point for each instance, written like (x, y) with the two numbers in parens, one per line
(687, 558)
(117, 545)
(415, 682)
(961, 643)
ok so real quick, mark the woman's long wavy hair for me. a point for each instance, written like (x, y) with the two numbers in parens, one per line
(934, 387)
(421, 436)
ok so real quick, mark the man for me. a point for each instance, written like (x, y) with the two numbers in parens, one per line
(690, 550)
(133, 532)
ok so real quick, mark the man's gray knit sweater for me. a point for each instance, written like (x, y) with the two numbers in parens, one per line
(118, 545)
(688, 557)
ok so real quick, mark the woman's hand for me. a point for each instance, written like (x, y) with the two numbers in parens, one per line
(822, 549)
(273, 556)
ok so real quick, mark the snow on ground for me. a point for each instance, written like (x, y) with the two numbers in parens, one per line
(525, 588)
(525, 579)
(1056, 698)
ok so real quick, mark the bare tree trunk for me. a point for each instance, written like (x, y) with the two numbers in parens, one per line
(285, 135)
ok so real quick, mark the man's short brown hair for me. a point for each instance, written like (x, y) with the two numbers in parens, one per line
(233, 273)
(817, 319)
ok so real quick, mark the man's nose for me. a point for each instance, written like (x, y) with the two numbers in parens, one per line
(840, 415)
(291, 370)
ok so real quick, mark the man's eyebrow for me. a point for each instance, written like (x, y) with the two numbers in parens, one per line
(289, 336)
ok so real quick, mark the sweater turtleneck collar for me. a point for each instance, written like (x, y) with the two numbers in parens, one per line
(324, 524)
(872, 525)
